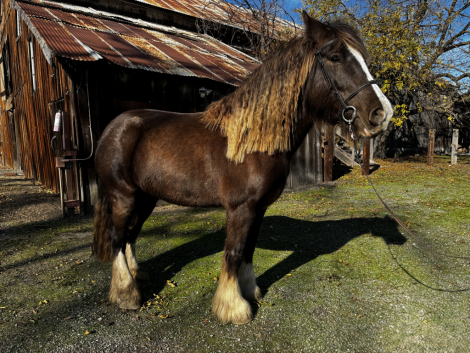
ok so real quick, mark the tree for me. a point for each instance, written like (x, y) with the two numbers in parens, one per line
(255, 26)
(420, 50)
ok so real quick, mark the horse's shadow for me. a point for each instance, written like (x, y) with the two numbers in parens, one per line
(305, 239)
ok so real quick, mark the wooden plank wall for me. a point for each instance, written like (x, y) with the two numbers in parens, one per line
(32, 118)
(306, 166)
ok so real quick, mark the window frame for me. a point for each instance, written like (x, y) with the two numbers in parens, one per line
(32, 62)
(18, 25)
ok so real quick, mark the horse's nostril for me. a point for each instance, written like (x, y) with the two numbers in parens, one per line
(378, 117)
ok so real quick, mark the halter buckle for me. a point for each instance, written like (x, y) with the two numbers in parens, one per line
(349, 121)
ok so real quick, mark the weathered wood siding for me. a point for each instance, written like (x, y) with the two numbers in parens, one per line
(28, 123)
(306, 166)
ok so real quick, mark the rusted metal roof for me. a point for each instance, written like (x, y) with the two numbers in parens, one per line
(222, 12)
(80, 33)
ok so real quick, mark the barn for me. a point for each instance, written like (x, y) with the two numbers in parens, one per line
(68, 68)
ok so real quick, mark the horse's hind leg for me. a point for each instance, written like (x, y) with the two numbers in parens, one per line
(144, 205)
(124, 291)
(229, 304)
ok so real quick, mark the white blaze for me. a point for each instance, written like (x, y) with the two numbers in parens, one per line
(387, 107)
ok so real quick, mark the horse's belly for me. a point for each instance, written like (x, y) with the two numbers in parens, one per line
(180, 182)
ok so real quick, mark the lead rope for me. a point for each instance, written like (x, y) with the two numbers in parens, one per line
(407, 230)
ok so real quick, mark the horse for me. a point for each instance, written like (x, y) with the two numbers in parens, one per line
(235, 154)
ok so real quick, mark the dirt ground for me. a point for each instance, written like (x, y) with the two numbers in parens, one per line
(352, 285)
(22, 199)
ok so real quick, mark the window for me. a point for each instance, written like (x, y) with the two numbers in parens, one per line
(31, 65)
(18, 24)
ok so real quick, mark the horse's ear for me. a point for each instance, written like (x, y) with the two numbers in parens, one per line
(313, 28)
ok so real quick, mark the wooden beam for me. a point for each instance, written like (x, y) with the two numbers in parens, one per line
(366, 157)
(329, 153)
(455, 145)
(431, 139)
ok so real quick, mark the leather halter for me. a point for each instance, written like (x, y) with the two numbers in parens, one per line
(335, 90)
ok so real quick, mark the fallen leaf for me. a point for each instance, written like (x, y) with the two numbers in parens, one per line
(171, 284)
(164, 316)
(86, 333)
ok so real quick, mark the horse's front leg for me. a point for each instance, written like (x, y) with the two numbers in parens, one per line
(237, 277)
(246, 273)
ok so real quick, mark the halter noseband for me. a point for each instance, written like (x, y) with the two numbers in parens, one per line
(335, 90)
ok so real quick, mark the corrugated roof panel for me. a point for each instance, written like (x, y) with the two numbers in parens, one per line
(140, 32)
(36, 11)
(59, 40)
(210, 47)
(133, 54)
(160, 60)
(214, 64)
(72, 34)
(66, 17)
(157, 3)
(186, 61)
(217, 11)
(93, 40)
(239, 57)
(118, 27)
(188, 7)
(91, 23)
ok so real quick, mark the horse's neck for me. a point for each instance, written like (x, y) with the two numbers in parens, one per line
(299, 135)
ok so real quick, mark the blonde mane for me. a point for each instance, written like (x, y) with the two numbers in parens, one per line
(261, 115)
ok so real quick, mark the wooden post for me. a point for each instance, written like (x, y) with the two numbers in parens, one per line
(366, 157)
(432, 136)
(318, 155)
(455, 145)
(66, 143)
(329, 153)
(371, 158)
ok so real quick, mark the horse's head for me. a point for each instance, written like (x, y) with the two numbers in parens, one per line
(340, 83)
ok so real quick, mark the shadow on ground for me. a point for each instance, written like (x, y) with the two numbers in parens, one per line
(306, 239)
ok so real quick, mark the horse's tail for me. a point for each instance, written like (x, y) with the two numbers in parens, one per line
(103, 221)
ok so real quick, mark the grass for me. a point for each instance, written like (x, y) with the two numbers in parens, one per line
(337, 274)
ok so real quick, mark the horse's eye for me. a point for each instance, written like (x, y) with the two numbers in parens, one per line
(335, 58)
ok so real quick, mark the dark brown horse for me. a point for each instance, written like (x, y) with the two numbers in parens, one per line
(236, 155)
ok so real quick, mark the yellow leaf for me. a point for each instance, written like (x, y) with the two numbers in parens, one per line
(170, 283)
(164, 316)
(86, 333)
